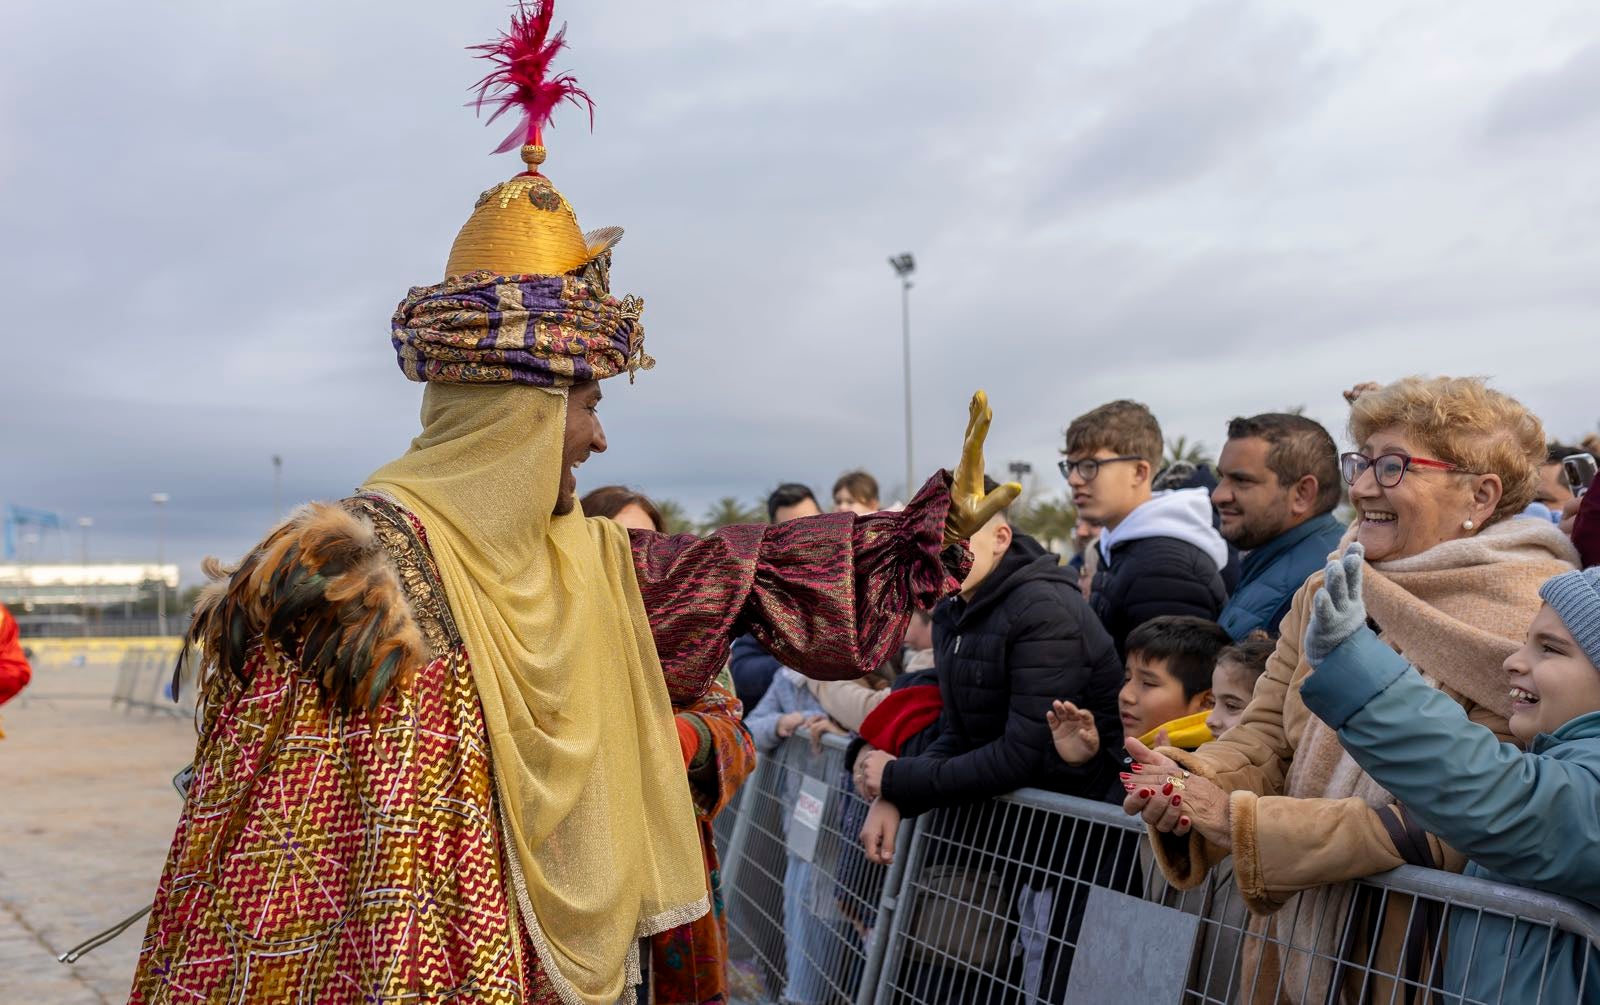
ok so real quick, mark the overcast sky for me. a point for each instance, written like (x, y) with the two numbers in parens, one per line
(209, 210)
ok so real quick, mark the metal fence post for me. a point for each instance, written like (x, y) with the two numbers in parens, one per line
(1106, 905)
(734, 855)
(910, 865)
(888, 908)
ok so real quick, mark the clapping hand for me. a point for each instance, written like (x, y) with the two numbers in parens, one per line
(1173, 800)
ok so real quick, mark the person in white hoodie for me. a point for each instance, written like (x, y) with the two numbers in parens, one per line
(1159, 552)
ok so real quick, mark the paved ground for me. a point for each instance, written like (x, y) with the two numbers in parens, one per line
(86, 812)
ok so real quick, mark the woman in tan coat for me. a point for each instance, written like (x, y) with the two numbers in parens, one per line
(1441, 467)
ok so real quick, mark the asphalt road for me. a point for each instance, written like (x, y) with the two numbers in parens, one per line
(87, 810)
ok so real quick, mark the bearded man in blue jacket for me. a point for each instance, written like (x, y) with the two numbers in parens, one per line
(1277, 488)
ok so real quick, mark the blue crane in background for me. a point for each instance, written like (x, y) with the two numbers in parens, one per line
(23, 516)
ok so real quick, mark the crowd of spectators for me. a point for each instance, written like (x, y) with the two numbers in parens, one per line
(1196, 659)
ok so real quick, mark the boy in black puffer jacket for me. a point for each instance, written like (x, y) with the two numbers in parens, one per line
(1019, 636)
(1019, 632)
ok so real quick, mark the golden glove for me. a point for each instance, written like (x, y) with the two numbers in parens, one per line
(970, 506)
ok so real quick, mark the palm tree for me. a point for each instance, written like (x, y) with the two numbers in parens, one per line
(728, 511)
(673, 516)
(1180, 449)
(1046, 519)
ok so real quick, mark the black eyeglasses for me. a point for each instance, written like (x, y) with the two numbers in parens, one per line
(1089, 467)
(1388, 469)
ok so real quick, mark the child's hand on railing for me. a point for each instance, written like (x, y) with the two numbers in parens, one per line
(879, 831)
(869, 773)
(788, 722)
(818, 726)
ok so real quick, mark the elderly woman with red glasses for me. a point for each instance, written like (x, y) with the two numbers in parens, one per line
(1442, 467)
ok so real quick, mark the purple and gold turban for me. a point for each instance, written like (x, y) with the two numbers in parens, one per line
(547, 331)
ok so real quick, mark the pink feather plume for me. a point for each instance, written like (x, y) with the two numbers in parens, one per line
(522, 78)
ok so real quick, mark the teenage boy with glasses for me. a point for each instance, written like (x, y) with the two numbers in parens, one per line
(1159, 553)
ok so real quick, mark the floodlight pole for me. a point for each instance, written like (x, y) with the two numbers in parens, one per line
(160, 501)
(904, 265)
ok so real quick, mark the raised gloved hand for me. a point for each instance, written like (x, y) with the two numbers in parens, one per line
(1337, 611)
(970, 506)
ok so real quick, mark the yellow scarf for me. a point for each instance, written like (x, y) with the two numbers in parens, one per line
(1186, 731)
(595, 804)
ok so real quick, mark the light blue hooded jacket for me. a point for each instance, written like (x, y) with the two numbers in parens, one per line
(1527, 818)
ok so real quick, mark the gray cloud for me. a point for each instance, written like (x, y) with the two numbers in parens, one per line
(210, 212)
(1548, 101)
(1218, 79)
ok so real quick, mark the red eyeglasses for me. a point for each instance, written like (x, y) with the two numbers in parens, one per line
(1389, 469)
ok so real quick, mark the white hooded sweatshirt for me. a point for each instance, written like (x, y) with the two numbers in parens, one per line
(1181, 513)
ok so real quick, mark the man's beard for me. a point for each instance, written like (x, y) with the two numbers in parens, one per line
(565, 503)
(1258, 531)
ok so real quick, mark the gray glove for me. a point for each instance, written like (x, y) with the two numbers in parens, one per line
(1337, 611)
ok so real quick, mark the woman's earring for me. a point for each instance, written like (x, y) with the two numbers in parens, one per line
(1466, 525)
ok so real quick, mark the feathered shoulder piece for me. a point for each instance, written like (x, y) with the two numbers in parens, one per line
(320, 590)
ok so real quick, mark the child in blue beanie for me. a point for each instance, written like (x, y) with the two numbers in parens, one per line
(1526, 817)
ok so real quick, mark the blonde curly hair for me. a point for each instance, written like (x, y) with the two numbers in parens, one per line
(1464, 421)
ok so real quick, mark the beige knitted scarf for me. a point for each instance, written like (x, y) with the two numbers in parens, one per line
(1455, 612)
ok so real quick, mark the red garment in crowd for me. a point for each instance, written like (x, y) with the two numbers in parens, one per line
(689, 964)
(902, 715)
(14, 669)
(1586, 529)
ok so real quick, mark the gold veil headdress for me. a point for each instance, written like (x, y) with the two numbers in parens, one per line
(594, 802)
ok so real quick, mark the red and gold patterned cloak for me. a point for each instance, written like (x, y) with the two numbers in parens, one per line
(330, 854)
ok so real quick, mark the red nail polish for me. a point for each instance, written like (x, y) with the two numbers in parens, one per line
(1166, 789)
(1127, 787)
(1183, 821)
(1145, 793)
(1176, 800)
(1124, 775)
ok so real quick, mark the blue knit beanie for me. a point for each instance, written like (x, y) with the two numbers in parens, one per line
(1575, 596)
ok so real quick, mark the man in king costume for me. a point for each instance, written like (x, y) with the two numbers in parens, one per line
(437, 756)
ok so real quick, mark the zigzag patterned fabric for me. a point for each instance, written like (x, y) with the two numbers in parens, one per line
(329, 858)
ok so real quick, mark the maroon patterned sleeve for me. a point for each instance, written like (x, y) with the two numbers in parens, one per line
(827, 595)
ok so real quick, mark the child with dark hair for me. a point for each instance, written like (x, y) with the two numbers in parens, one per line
(1166, 688)
(1233, 682)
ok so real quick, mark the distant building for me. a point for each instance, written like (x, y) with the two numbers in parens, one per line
(49, 598)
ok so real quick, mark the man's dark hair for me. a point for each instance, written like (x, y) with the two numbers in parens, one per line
(1188, 646)
(1296, 447)
(1556, 452)
(786, 495)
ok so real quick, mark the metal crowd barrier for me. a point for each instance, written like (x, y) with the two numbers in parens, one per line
(144, 680)
(1040, 897)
